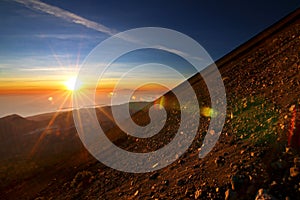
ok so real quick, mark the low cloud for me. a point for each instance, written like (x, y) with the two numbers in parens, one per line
(47, 69)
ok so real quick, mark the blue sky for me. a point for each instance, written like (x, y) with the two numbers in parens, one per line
(216, 25)
(32, 38)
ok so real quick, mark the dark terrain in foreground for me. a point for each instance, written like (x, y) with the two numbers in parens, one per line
(262, 83)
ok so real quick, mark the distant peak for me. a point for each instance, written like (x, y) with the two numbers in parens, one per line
(14, 117)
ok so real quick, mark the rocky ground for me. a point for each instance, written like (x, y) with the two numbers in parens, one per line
(251, 159)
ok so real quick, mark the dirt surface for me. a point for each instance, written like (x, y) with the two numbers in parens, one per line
(262, 84)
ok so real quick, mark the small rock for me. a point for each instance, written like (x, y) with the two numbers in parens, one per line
(291, 108)
(220, 161)
(152, 193)
(297, 161)
(166, 182)
(196, 166)
(234, 168)
(189, 192)
(234, 182)
(288, 150)
(250, 178)
(230, 195)
(198, 194)
(181, 162)
(273, 184)
(263, 195)
(153, 187)
(294, 171)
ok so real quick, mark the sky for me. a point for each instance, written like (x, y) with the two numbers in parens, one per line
(44, 43)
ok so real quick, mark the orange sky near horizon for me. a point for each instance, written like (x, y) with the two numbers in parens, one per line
(28, 98)
(27, 86)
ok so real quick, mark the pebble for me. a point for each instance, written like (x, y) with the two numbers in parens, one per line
(294, 171)
(198, 194)
(263, 195)
(230, 195)
(291, 108)
(166, 182)
(220, 161)
(297, 161)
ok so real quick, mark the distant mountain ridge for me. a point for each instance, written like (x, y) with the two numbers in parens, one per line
(12, 125)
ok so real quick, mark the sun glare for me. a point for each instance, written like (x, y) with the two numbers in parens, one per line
(72, 85)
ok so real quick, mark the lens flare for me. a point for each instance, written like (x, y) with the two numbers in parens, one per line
(208, 112)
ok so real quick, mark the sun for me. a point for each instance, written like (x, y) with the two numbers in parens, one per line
(72, 85)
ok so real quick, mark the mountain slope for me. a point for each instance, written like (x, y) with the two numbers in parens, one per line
(262, 83)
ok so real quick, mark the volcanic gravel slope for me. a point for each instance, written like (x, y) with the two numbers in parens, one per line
(261, 78)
